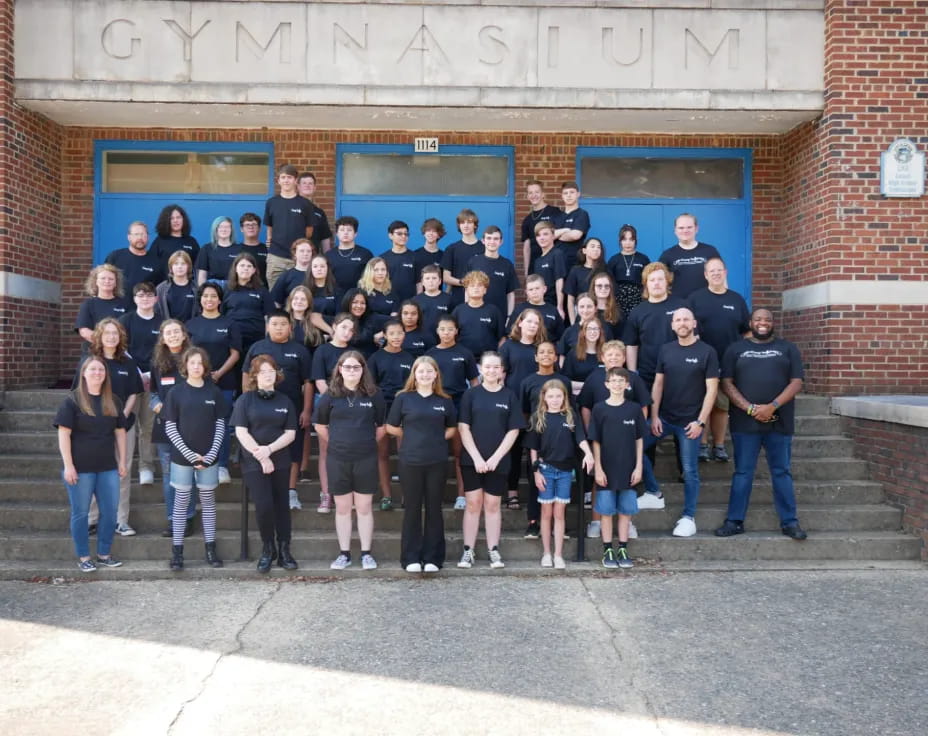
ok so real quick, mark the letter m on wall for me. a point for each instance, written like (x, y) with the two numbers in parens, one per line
(244, 39)
(701, 54)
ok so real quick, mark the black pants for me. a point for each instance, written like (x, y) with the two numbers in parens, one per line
(271, 496)
(515, 461)
(423, 484)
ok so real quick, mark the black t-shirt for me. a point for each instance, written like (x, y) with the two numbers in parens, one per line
(367, 327)
(321, 227)
(433, 309)
(760, 371)
(530, 391)
(217, 260)
(324, 359)
(685, 369)
(557, 444)
(195, 411)
(518, 362)
(418, 342)
(292, 358)
(548, 213)
(424, 420)
(142, 335)
(579, 219)
(402, 270)
(259, 253)
(503, 279)
(287, 282)
(627, 269)
(164, 248)
(288, 219)
(455, 259)
(457, 367)
(136, 269)
(347, 265)
(94, 309)
(648, 327)
(490, 415)
(248, 308)
(425, 258)
(324, 303)
(181, 300)
(162, 386)
(551, 267)
(382, 306)
(265, 420)
(688, 267)
(578, 369)
(217, 336)
(93, 438)
(594, 390)
(720, 318)
(390, 371)
(124, 378)
(577, 281)
(554, 325)
(571, 335)
(352, 421)
(480, 327)
(617, 429)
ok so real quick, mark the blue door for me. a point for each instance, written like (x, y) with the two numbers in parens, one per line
(648, 188)
(379, 184)
(134, 180)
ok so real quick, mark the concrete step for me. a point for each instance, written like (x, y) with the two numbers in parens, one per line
(150, 517)
(39, 400)
(317, 547)
(26, 421)
(824, 424)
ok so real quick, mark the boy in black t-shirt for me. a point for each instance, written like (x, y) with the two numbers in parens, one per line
(551, 266)
(480, 324)
(500, 270)
(287, 216)
(457, 255)
(433, 302)
(617, 429)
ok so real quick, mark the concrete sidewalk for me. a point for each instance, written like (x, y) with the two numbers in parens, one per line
(798, 652)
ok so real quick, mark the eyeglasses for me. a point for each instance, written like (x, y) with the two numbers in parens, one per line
(350, 367)
(401, 233)
(602, 286)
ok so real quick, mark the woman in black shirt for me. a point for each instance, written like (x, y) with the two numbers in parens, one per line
(626, 268)
(92, 442)
(177, 295)
(321, 283)
(173, 228)
(424, 417)
(247, 302)
(583, 359)
(104, 286)
(416, 341)
(265, 424)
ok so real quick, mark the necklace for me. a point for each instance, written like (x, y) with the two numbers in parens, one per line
(628, 265)
(346, 252)
(350, 399)
(540, 212)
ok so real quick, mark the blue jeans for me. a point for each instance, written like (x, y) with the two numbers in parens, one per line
(164, 455)
(105, 486)
(689, 456)
(557, 484)
(779, 452)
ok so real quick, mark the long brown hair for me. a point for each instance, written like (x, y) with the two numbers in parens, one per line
(612, 313)
(366, 386)
(410, 384)
(312, 335)
(96, 340)
(164, 360)
(516, 332)
(82, 396)
(583, 344)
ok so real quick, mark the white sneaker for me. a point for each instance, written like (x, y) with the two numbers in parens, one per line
(593, 530)
(460, 503)
(430, 567)
(685, 527)
(632, 531)
(546, 561)
(496, 560)
(559, 563)
(588, 499)
(124, 530)
(467, 559)
(146, 477)
(295, 500)
(341, 562)
(650, 501)
(368, 562)
(225, 478)
(414, 567)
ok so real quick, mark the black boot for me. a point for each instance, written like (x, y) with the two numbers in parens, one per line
(267, 557)
(212, 559)
(177, 557)
(285, 559)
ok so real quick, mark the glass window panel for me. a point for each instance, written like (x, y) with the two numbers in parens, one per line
(185, 172)
(402, 174)
(659, 178)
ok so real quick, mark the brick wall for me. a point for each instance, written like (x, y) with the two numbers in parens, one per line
(836, 223)
(30, 236)
(896, 454)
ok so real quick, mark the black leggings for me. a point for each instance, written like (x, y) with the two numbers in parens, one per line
(423, 484)
(271, 495)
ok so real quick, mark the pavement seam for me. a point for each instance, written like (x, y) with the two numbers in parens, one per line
(629, 672)
(239, 646)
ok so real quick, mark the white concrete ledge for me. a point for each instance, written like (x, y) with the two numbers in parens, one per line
(859, 292)
(17, 286)
(902, 409)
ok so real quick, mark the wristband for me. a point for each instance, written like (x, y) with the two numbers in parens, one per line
(775, 404)
(751, 409)
(535, 465)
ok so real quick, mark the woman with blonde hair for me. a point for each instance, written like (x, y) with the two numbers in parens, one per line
(107, 298)
(376, 285)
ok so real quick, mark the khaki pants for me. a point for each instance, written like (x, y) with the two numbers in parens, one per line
(275, 267)
(144, 419)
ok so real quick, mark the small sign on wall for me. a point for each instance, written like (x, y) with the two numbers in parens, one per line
(902, 170)
(425, 145)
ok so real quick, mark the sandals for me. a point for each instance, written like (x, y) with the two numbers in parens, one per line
(512, 503)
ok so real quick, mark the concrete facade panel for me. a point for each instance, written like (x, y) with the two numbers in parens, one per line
(53, 27)
(789, 37)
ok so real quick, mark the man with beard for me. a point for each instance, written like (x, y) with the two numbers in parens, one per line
(761, 375)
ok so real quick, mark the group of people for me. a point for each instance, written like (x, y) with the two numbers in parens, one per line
(428, 350)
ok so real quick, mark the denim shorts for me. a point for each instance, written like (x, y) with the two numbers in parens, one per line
(557, 484)
(608, 503)
(182, 477)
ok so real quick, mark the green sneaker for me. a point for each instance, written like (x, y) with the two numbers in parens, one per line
(625, 561)
(609, 559)
(386, 504)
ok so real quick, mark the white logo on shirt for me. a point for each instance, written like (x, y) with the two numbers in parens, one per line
(691, 360)
(222, 331)
(122, 373)
(502, 406)
(282, 411)
(439, 408)
(628, 421)
(210, 402)
(457, 360)
(729, 306)
(407, 366)
(761, 354)
(148, 268)
(366, 404)
(406, 265)
(255, 296)
(486, 319)
(501, 274)
(291, 355)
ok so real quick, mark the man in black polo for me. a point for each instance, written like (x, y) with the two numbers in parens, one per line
(136, 262)
(687, 259)
(761, 374)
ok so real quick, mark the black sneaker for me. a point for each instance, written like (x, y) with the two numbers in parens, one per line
(91, 529)
(704, 453)
(108, 562)
(730, 528)
(168, 532)
(794, 531)
(532, 531)
(720, 454)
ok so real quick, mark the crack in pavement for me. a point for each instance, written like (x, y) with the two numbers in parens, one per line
(613, 640)
(239, 646)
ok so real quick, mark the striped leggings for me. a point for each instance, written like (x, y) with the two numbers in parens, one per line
(207, 506)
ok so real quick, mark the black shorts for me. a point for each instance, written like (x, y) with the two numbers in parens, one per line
(493, 483)
(296, 447)
(347, 476)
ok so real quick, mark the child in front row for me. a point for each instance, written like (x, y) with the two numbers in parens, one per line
(617, 429)
(555, 432)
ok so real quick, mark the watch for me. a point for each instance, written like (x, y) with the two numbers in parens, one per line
(700, 423)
